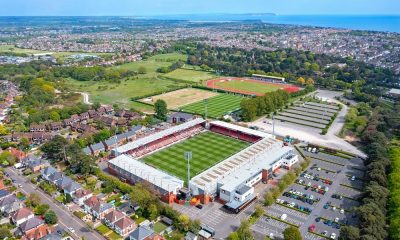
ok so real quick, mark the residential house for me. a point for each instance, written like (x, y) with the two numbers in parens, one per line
(37, 128)
(4, 193)
(84, 117)
(21, 215)
(15, 137)
(92, 113)
(34, 163)
(111, 143)
(40, 137)
(120, 113)
(81, 195)
(122, 122)
(132, 115)
(10, 204)
(111, 217)
(55, 126)
(108, 121)
(46, 172)
(179, 117)
(87, 150)
(106, 110)
(53, 178)
(30, 224)
(96, 207)
(124, 226)
(144, 233)
(37, 233)
(97, 148)
(71, 188)
(63, 182)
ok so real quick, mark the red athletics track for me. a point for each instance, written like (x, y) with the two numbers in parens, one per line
(211, 84)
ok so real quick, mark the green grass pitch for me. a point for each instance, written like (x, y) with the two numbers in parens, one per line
(208, 149)
(217, 106)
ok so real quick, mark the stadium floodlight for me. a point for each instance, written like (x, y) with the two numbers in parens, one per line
(188, 157)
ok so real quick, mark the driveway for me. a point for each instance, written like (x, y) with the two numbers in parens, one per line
(65, 218)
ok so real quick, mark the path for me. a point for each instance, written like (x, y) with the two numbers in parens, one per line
(85, 97)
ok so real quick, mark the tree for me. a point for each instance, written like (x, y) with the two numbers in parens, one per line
(195, 226)
(5, 232)
(259, 211)
(50, 217)
(96, 105)
(244, 231)
(68, 198)
(41, 209)
(160, 107)
(184, 222)
(301, 81)
(153, 211)
(268, 199)
(3, 130)
(55, 116)
(33, 200)
(349, 233)
(142, 70)
(292, 233)
(310, 82)
(55, 148)
(7, 159)
(233, 236)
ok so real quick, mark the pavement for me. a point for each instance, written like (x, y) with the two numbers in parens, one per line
(313, 135)
(66, 219)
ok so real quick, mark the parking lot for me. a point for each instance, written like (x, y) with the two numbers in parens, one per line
(328, 189)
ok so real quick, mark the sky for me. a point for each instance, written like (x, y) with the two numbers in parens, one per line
(167, 7)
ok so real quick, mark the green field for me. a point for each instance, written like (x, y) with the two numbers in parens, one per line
(120, 93)
(216, 106)
(190, 75)
(249, 86)
(208, 149)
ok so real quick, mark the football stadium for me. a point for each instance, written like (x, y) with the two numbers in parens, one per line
(226, 162)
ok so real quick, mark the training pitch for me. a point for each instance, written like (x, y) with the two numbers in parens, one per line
(207, 148)
(249, 86)
(179, 98)
(217, 106)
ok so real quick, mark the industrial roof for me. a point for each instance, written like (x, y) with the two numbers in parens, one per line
(151, 138)
(234, 170)
(156, 177)
(394, 91)
(241, 129)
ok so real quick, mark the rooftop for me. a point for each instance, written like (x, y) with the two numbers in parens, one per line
(148, 173)
(151, 138)
(241, 129)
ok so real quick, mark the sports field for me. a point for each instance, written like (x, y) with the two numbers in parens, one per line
(249, 86)
(207, 148)
(216, 106)
(181, 97)
(190, 75)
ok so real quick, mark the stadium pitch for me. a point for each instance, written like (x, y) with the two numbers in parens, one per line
(207, 148)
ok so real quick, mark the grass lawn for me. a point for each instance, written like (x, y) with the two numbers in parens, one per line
(107, 92)
(110, 93)
(208, 149)
(181, 97)
(216, 106)
(138, 220)
(159, 227)
(113, 236)
(12, 48)
(190, 75)
(249, 86)
(103, 229)
(60, 198)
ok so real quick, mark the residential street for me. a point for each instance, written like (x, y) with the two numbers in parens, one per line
(65, 218)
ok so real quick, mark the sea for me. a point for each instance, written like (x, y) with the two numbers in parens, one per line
(384, 23)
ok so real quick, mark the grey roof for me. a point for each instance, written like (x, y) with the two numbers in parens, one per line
(4, 193)
(30, 223)
(32, 161)
(97, 146)
(55, 176)
(87, 150)
(52, 236)
(181, 115)
(72, 187)
(243, 189)
(141, 233)
(48, 171)
(8, 200)
(63, 182)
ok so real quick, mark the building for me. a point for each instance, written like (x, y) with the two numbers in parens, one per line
(179, 117)
(267, 78)
(131, 170)
(21, 215)
(112, 217)
(34, 163)
(394, 92)
(81, 195)
(144, 233)
(124, 226)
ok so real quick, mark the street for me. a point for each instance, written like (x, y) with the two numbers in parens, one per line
(65, 218)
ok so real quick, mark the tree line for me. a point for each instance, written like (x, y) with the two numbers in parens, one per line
(270, 102)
